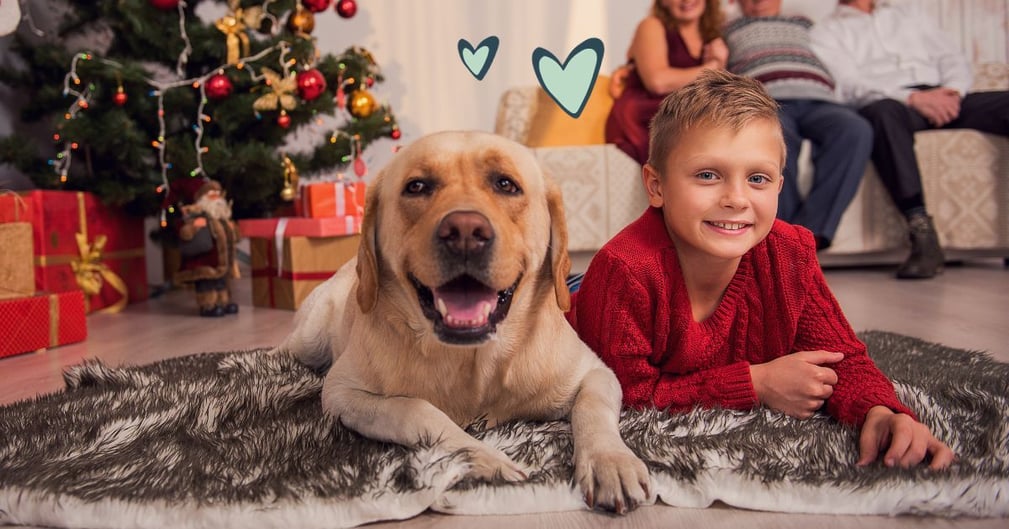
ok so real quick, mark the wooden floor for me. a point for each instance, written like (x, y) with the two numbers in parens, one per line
(967, 307)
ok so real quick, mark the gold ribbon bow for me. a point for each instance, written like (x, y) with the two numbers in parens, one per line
(233, 26)
(90, 272)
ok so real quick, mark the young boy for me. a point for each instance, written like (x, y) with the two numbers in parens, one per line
(707, 300)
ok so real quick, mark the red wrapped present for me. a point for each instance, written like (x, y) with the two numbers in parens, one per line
(331, 199)
(17, 276)
(81, 244)
(40, 321)
(292, 256)
(300, 227)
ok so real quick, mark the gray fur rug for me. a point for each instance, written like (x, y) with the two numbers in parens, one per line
(239, 440)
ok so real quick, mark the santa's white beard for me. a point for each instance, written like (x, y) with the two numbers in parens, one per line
(215, 208)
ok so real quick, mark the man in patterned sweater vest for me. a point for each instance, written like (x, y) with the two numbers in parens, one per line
(775, 50)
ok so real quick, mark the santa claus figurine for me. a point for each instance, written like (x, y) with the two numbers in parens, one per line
(207, 238)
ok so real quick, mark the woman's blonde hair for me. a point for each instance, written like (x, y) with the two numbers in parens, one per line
(711, 21)
(716, 98)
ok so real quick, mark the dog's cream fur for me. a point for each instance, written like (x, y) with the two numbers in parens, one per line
(394, 378)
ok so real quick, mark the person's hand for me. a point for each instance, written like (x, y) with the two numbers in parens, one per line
(939, 105)
(716, 53)
(200, 222)
(905, 440)
(618, 80)
(796, 384)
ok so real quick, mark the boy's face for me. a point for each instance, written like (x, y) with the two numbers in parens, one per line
(719, 188)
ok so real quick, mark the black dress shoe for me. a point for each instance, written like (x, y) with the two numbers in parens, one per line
(212, 312)
(231, 308)
(926, 259)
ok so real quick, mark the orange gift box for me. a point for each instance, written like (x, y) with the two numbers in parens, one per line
(80, 244)
(44, 320)
(291, 256)
(331, 199)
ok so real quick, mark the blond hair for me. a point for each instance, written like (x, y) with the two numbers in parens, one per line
(716, 98)
(711, 21)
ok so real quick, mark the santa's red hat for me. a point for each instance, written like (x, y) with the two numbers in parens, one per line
(189, 190)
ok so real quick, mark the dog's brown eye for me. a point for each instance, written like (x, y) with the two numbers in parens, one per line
(506, 185)
(417, 187)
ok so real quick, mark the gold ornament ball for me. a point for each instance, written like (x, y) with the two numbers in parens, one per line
(288, 193)
(301, 21)
(361, 104)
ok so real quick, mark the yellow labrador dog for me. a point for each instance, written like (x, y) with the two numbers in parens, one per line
(453, 311)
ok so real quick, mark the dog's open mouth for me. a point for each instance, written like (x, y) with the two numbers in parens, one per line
(464, 310)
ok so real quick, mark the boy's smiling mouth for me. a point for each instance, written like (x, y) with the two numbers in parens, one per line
(730, 226)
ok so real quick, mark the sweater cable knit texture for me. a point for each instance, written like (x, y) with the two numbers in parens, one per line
(633, 310)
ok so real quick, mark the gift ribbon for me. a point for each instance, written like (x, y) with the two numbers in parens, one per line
(18, 201)
(278, 244)
(54, 320)
(89, 270)
(341, 199)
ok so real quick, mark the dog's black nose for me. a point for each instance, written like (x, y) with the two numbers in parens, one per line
(466, 233)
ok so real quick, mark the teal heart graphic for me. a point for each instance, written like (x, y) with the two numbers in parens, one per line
(478, 60)
(570, 83)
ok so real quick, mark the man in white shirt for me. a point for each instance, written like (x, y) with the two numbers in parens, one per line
(904, 75)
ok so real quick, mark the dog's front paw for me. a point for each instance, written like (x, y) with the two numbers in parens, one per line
(489, 463)
(613, 479)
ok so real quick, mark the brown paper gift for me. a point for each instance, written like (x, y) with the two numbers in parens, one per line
(283, 281)
(17, 270)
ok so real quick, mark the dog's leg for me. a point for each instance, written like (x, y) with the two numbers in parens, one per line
(410, 421)
(320, 322)
(609, 474)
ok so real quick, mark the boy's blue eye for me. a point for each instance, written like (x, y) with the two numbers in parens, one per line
(759, 179)
(706, 175)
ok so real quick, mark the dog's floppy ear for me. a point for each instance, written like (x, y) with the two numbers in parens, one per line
(560, 262)
(367, 263)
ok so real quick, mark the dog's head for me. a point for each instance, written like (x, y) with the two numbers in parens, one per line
(457, 225)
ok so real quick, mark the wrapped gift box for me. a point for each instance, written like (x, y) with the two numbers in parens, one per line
(331, 199)
(291, 256)
(45, 320)
(81, 244)
(17, 277)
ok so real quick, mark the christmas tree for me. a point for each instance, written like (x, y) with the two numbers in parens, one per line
(173, 96)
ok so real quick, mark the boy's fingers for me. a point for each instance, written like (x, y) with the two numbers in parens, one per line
(942, 455)
(916, 451)
(868, 444)
(900, 441)
(820, 357)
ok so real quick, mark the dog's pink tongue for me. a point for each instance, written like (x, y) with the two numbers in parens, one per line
(465, 308)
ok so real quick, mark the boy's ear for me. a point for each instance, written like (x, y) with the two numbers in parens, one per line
(653, 185)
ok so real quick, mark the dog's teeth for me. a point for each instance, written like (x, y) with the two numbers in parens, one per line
(442, 309)
(486, 309)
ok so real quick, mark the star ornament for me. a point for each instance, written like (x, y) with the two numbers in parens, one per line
(280, 94)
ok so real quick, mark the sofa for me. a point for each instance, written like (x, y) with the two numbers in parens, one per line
(965, 174)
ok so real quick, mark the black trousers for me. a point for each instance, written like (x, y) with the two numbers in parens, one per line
(894, 125)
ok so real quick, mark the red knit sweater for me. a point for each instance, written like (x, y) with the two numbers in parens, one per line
(633, 310)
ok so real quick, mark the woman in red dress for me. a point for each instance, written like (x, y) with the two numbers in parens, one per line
(670, 48)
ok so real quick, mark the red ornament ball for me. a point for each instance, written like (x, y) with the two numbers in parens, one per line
(369, 81)
(316, 6)
(164, 4)
(395, 134)
(283, 120)
(311, 84)
(346, 8)
(119, 98)
(218, 86)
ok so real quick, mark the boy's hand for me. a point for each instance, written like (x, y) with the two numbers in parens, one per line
(200, 222)
(908, 440)
(796, 384)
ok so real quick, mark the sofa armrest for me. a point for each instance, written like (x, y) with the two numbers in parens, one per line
(515, 113)
(602, 191)
(990, 76)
